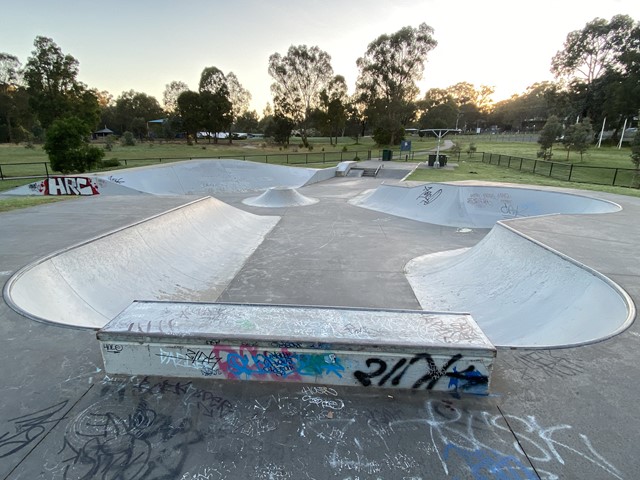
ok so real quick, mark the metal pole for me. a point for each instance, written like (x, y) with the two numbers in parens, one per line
(622, 136)
(602, 131)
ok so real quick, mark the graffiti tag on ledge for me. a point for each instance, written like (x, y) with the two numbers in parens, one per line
(68, 186)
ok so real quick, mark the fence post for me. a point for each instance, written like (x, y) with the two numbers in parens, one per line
(615, 175)
(551, 169)
(306, 158)
(46, 169)
(570, 172)
(1, 175)
(323, 156)
(535, 164)
(287, 159)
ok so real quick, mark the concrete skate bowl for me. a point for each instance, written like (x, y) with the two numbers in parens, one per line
(475, 205)
(280, 197)
(193, 177)
(190, 252)
(522, 293)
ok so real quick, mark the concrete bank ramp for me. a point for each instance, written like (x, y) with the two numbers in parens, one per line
(191, 252)
(193, 177)
(521, 293)
(279, 197)
(474, 204)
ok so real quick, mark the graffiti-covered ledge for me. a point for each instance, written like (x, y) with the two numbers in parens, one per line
(406, 349)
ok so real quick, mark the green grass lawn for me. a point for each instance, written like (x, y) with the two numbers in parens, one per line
(598, 157)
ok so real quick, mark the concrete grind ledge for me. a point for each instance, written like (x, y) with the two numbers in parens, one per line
(403, 349)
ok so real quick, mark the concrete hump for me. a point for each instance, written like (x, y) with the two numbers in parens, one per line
(193, 177)
(475, 205)
(521, 293)
(280, 197)
(191, 252)
(211, 177)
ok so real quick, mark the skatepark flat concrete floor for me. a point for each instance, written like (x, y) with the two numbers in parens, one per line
(553, 413)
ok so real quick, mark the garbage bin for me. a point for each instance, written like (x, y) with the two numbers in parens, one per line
(387, 155)
(443, 160)
(432, 160)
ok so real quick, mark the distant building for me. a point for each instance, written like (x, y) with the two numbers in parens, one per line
(105, 132)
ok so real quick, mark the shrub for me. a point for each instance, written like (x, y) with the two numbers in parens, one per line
(128, 140)
(471, 149)
(68, 148)
(109, 143)
(110, 163)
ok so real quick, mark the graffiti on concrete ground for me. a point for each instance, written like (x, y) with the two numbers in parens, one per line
(484, 443)
(143, 428)
(28, 428)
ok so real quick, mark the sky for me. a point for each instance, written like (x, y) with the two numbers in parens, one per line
(144, 45)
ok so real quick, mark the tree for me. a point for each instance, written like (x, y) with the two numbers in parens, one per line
(335, 103)
(212, 80)
(536, 104)
(216, 113)
(216, 109)
(579, 137)
(389, 71)
(171, 93)
(299, 77)
(68, 147)
(589, 52)
(548, 135)
(440, 116)
(10, 73)
(239, 98)
(279, 128)
(190, 111)
(248, 122)
(465, 93)
(133, 110)
(434, 97)
(53, 87)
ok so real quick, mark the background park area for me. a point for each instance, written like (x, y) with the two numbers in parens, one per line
(507, 158)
